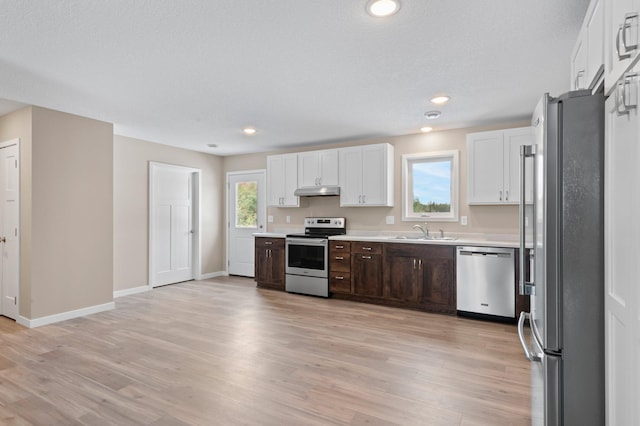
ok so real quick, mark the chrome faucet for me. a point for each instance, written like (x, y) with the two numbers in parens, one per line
(425, 230)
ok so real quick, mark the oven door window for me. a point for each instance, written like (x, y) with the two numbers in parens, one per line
(306, 256)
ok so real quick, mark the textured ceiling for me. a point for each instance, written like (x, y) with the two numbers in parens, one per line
(192, 73)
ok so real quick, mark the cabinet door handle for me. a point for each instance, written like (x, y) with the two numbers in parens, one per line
(268, 243)
(414, 264)
(319, 181)
(339, 278)
(500, 195)
(366, 257)
(339, 258)
(366, 248)
(506, 195)
(359, 199)
(364, 201)
(625, 25)
(339, 247)
(419, 263)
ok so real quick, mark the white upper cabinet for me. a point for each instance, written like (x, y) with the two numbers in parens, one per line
(579, 62)
(493, 175)
(621, 289)
(587, 58)
(366, 175)
(621, 38)
(282, 180)
(318, 168)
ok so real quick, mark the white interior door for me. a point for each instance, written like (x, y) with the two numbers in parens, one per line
(9, 215)
(171, 224)
(246, 193)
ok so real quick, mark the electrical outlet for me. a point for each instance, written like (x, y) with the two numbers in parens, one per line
(391, 220)
(270, 219)
(288, 219)
(463, 220)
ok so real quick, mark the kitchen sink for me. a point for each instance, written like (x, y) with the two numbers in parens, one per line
(402, 237)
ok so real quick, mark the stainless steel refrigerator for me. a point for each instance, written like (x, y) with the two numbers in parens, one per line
(562, 259)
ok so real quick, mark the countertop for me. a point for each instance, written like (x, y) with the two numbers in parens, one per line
(482, 240)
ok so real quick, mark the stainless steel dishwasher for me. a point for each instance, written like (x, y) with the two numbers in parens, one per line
(486, 281)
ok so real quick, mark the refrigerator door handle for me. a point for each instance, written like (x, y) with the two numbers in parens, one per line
(526, 151)
(530, 355)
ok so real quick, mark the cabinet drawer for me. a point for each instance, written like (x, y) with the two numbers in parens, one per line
(364, 247)
(262, 242)
(340, 262)
(337, 247)
(340, 282)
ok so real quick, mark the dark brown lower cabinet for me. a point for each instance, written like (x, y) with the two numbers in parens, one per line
(422, 276)
(366, 269)
(269, 262)
(402, 276)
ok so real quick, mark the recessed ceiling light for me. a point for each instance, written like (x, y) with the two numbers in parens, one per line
(439, 100)
(382, 8)
(212, 145)
(432, 115)
(249, 131)
(426, 129)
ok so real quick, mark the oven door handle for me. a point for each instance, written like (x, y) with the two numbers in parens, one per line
(307, 241)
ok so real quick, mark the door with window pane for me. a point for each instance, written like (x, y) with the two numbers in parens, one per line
(246, 216)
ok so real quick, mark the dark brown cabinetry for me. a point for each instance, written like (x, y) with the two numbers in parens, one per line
(422, 276)
(340, 267)
(269, 262)
(366, 269)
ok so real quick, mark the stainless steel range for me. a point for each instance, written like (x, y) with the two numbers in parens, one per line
(307, 255)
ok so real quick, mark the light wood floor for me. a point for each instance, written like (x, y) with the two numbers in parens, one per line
(221, 352)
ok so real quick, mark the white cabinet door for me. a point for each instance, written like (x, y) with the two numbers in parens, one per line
(513, 139)
(308, 169)
(621, 29)
(485, 153)
(493, 175)
(290, 165)
(594, 23)
(329, 167)
(350, 176)
(318, 168)
(622, 269)
(366, 175)
(376, 187)
(282, 180)
(579, 62)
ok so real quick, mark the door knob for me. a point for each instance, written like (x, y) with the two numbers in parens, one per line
(3, 240)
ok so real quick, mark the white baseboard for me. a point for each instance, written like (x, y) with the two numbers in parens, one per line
(130, 291)
(213, 275)
(63, 316)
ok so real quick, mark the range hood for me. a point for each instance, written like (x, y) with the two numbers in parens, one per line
(317, 191)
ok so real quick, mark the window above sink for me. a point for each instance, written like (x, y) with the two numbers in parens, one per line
(430, 186)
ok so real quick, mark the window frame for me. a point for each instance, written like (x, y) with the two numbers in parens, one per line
(407, 185)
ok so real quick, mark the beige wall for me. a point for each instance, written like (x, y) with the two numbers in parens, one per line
(131, 214)
(17, 125)
(72, 213)
(66, 210)
(481, 219)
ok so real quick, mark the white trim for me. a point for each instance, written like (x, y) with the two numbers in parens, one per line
(213, 275)
(245, 172)
(130, 291)
(6, 144)
(196, 217)
(63, 316)
(452, 155)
